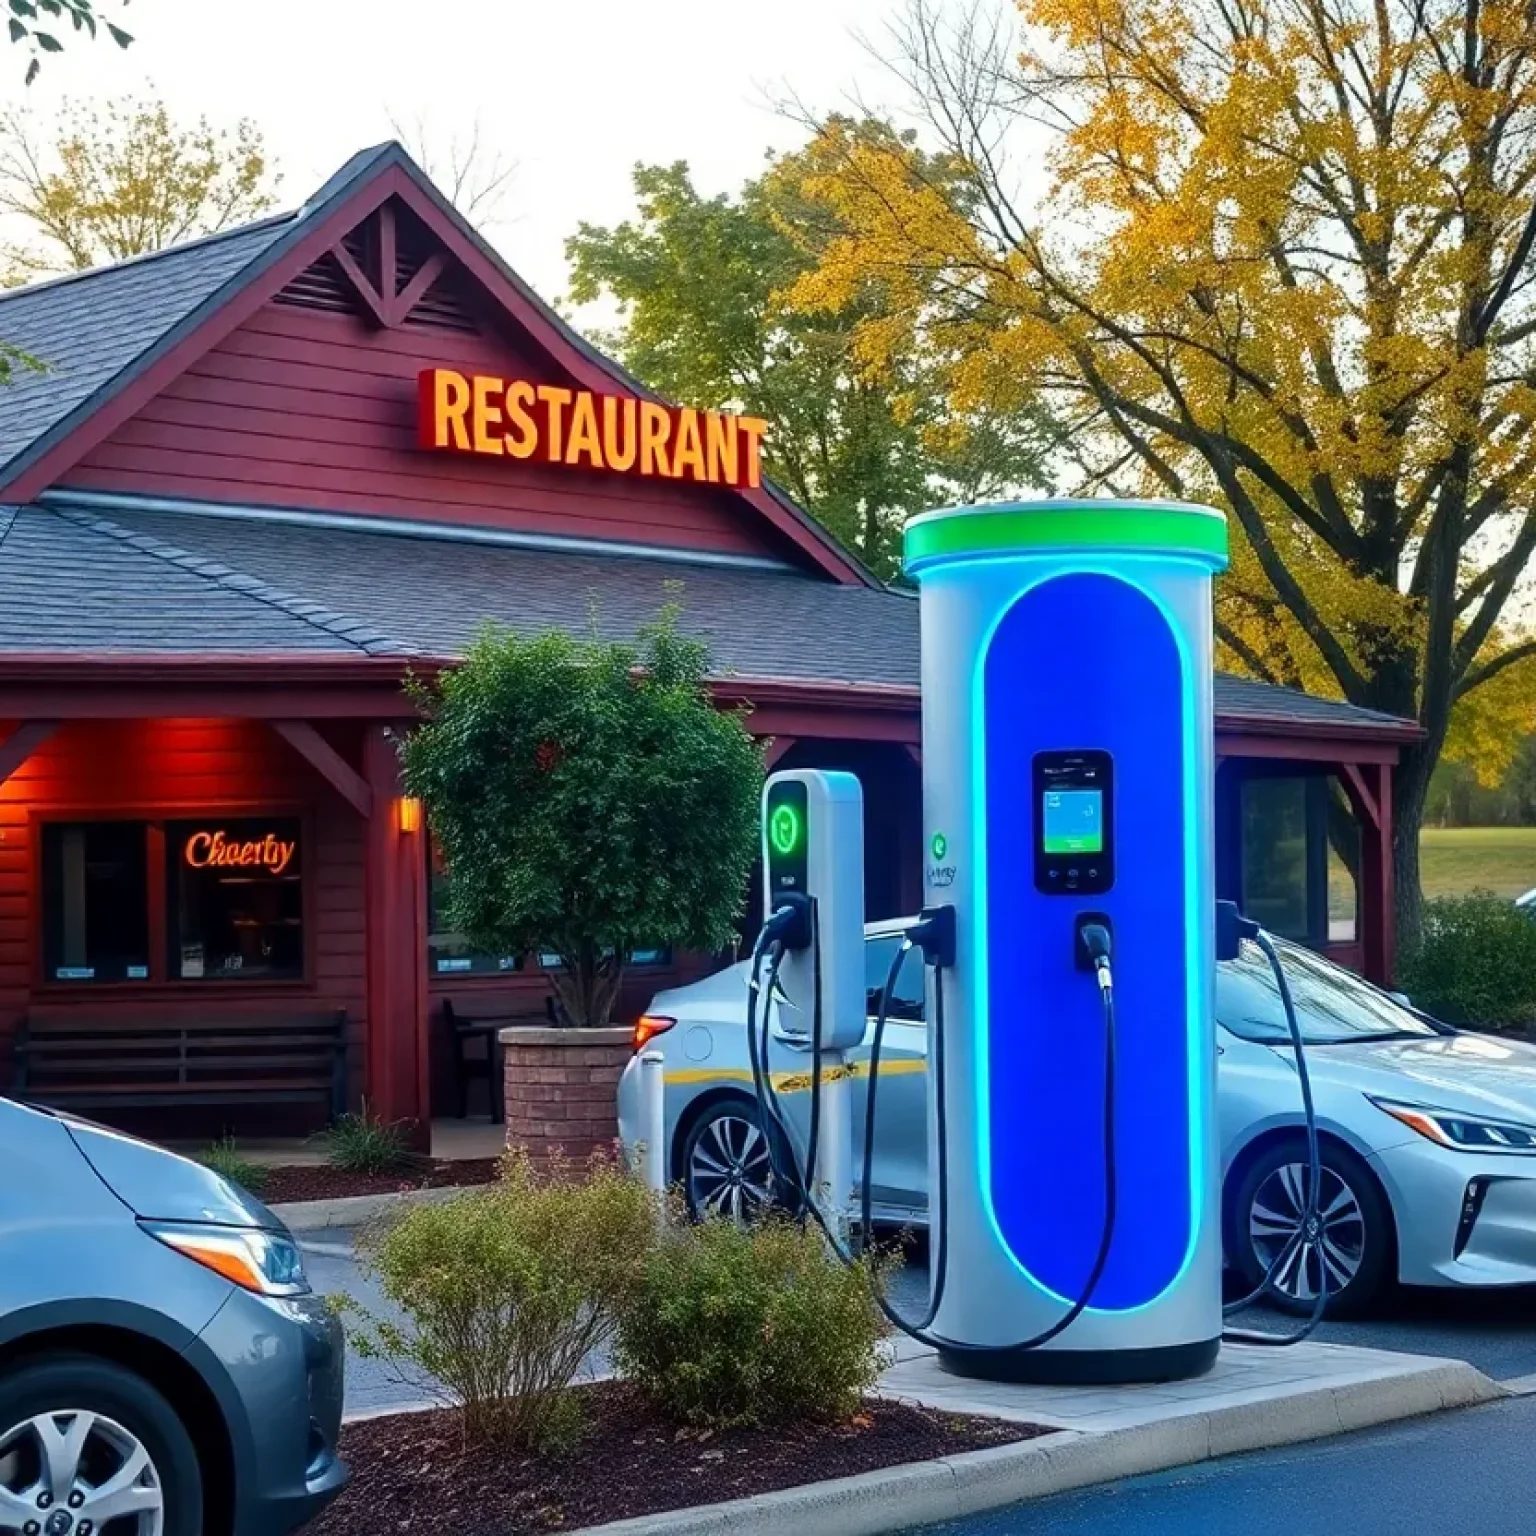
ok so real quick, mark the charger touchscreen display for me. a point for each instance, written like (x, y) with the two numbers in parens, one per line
(1074, 821)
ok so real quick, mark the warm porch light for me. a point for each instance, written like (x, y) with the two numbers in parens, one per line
(409, 809)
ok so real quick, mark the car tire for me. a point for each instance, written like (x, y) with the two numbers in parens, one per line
(726, 1168)
(42, 1402)
(1359, 1235)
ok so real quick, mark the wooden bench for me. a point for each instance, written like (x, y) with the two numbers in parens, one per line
(477, 1052)
(73, 1061)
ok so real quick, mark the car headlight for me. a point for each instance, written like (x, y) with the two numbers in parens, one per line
(1462, 1133)
(265, 1262)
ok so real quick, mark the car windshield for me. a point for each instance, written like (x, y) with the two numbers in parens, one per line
(1333, 1006)
(911, 985)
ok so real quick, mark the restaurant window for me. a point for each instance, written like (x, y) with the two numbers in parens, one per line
(236, 896)
(450, 953)
(636, 957)
(95, 901)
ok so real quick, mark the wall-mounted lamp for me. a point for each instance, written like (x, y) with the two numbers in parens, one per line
(408, 809)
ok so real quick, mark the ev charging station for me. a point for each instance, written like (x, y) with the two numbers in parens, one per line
(1068, 838)
(813, 863)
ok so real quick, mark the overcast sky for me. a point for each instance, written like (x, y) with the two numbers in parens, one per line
(576, 91)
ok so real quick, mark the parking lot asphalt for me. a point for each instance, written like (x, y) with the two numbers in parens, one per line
(1455, 1474)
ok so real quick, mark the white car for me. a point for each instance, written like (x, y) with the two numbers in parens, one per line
(1428, 1133)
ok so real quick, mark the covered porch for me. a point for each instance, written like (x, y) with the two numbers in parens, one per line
(206, 868)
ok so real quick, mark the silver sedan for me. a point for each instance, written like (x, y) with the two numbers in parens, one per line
(1429, 1134)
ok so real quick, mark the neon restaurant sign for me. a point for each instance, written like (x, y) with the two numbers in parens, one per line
(550, 424)
(216, 850)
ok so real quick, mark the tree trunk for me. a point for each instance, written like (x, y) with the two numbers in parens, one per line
(1410, 791)
(586, 986)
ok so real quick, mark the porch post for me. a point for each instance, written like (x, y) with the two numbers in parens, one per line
(1369, 786)
(395, 921)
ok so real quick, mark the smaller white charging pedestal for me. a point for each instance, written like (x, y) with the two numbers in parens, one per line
(813, 856)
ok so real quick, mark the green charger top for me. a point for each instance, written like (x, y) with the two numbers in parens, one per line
(1174, 528)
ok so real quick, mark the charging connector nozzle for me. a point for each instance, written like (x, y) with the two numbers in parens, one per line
(1095, 943)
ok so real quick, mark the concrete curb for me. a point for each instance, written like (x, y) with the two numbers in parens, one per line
(359, 1210)
(927, 1493)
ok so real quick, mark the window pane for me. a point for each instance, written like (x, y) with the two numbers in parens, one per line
(1342, 902)
(237, 899)
(1275, 854)
(95, 901)
(448, 953)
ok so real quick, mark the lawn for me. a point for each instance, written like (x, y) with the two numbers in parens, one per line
(1454, 860)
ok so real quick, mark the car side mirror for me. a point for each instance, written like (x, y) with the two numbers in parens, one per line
(1401, 998)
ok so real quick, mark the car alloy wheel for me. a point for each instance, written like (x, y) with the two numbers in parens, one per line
(730, 1172)
(71, 1472)
(1275, 1216)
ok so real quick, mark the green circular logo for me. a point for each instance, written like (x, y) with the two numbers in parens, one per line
(784, 829)
(940, 845)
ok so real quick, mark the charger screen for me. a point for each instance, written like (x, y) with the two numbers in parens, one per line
(1073, 821)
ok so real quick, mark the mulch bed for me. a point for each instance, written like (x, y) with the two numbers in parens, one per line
(411, 1472)
(289, 1183)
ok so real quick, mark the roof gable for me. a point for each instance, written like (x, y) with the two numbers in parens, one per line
(137, 359)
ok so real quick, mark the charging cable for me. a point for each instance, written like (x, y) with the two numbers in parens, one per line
(1232, 928)
(935, 933)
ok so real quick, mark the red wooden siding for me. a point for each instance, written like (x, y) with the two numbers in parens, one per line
(307, 407)
(165, 767)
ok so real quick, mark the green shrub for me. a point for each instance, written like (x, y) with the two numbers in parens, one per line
(1475, 962)
(225, 1158)
(505, 1290)
(363, 1143)
(734, 1326)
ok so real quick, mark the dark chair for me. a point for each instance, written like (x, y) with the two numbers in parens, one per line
(477, 1053)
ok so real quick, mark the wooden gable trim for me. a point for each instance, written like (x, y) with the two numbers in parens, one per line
(221, 314)
(321, 235)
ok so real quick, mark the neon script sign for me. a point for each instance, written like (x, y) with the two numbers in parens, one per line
(549, 424)
(215, 850)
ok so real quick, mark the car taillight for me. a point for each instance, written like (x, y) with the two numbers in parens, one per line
(648, 1026)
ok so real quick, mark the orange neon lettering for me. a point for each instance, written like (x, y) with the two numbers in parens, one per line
(752, 428)
(214, 850)
(514, 418)
(616, 411)
(584, 439)
(556, 399)
(720, 434)
(522, 435)
(444, 403)
(486, 413)
(655, 429)
(688, 455)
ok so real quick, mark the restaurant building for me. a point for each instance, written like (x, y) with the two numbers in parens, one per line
(262, 477)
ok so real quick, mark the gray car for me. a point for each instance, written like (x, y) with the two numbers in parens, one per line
(1428, 1133)
(164, 1368)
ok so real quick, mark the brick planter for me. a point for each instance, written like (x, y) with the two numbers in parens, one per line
(560, 1086)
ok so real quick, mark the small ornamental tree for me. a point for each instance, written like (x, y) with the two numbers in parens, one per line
(588, 800)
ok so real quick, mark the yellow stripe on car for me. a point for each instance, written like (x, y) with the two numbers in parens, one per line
(791, 1082)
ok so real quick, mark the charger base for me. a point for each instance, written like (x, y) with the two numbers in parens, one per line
(1083, 1367)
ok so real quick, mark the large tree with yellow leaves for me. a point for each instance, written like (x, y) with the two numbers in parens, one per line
(1275, 253)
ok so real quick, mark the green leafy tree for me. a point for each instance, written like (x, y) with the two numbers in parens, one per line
(101, 183)
(700, 285)
(589, 800)
(35, 25)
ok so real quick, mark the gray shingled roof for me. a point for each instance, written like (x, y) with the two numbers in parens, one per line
(86, 328)
(72, 584)
(159, 583)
